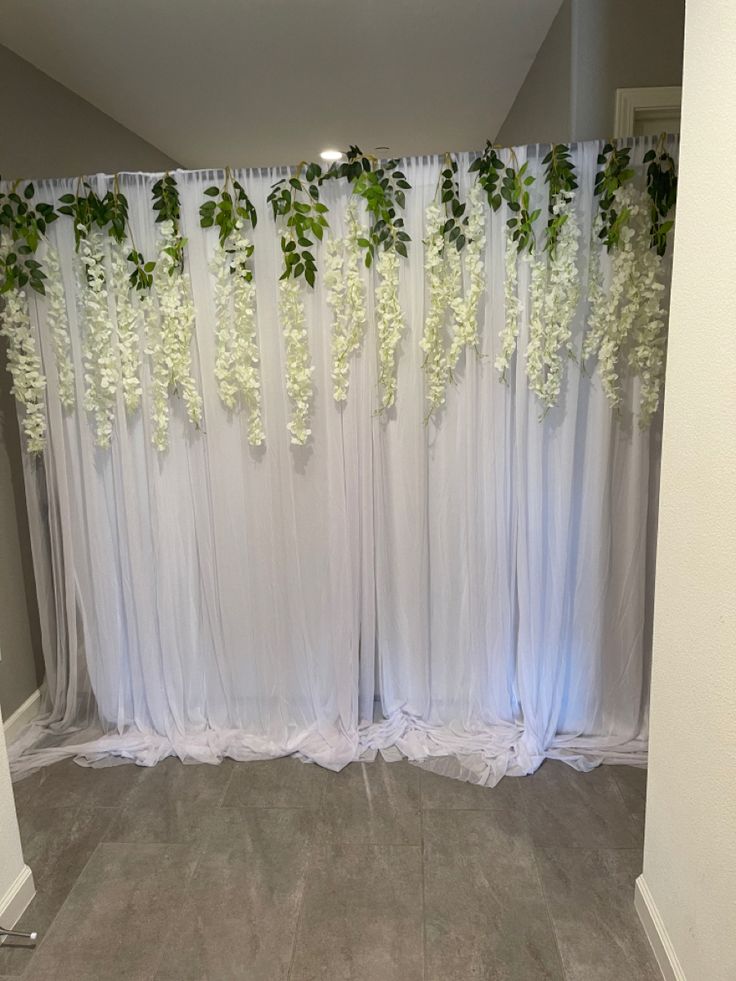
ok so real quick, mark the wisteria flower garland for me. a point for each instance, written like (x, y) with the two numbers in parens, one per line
(237, 359)
(299, 367)
(58, 324)
(389, 322)
(170, 338)
(127, 316)
(466, 306)
(628, 318)
(99, 352)
(443, 269)
(346, 297)
(24, 365)
(554, 297)
(512, 322)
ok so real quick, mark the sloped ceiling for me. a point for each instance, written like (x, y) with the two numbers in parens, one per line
(258, 82)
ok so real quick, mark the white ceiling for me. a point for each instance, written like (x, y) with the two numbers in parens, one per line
(257, 82)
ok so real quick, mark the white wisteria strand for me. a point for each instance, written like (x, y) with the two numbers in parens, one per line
(57, 320)
(299, 367)
(346, 296)
(169, 339)
(627, 319)
(237, 357)
(554, 297)
(99, 351)
(127, 315)
(465, 307)
(24, 365)
(443, 271)
(389, 324)
(512, 322)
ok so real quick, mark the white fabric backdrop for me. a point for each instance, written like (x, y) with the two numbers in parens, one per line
(220, 599)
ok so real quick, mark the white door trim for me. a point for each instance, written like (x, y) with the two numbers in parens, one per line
(631, 103)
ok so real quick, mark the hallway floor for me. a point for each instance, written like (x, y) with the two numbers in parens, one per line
(282, 870)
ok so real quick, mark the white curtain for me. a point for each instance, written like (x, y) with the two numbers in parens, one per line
(484, 574)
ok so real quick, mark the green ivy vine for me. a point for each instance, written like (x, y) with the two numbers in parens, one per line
(167, 206)
(515, 192)
(26, 225)
(662, 190)
(616, 172)
(489, 167)
(455, 226)
(108, 213)
(562, 181)
(382, 187)
(229, 205)
(296, 200)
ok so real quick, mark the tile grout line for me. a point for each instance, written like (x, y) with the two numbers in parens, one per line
(550, 918)
(307, 870)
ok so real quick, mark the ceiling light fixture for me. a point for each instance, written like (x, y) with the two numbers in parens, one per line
(331, 154)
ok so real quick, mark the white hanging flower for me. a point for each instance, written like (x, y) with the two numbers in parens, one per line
(466, 307)
(237, 359)
(127, 315)
(24, 365)
(554, 297)
(628, 319)
(170, 339)
(58, 324)
(99, 352)
(510, 332)
(346, 297)
(389, 322)
(444, 276)
(299, 367)
(648, 339)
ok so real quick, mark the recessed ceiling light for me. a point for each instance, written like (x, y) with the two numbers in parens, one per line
(331, 154)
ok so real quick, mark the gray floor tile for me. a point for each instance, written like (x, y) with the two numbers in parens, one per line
(172, 803)
(486, 917)
(361, 915)
(57, 844)
(373, 804)
(590, 894)
(111, 926)
(242, 902)
(632, 785)
(444, 793)
(66, 784)
(285, 782)
(567, 808)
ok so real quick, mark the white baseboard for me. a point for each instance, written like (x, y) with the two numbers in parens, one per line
(17, 899)
(656, 932)
(24, 714)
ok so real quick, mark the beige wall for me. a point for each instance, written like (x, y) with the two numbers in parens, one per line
(690, 848)
(47, 131)
(13, 895)
(593, 48)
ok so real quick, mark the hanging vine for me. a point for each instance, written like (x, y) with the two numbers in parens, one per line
(627, 320)
(346, 297)
(301, 217)
(514, 191)
(382, 186)
(22, 229)
(446, 223)
(237, 359)
(169, 336)
(555, 289)
(662, 190)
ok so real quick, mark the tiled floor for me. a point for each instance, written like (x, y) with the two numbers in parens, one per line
(280, 870)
